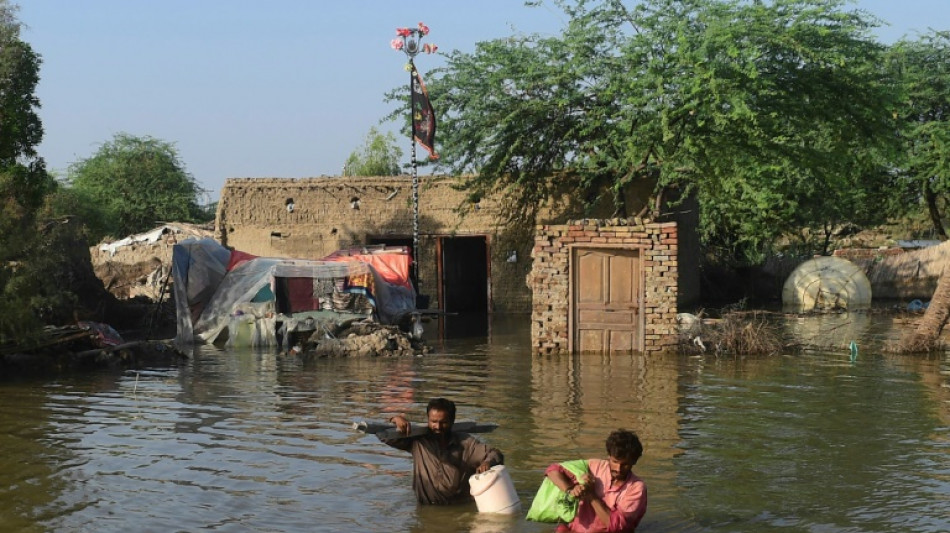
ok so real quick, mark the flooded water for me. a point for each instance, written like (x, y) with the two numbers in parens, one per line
(246, 441)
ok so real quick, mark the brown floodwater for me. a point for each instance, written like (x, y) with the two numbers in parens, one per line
(251, 441)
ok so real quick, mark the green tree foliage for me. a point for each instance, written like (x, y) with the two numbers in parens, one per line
(23, 177)
(773, 115)
(130, 184)
(22, 174)
(923, 66)
(379, 156)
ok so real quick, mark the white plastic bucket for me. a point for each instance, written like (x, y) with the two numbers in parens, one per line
(494, 492)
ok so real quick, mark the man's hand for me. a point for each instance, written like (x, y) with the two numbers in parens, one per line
(583, 489)
(587, 494)
(577, 491)
(402, 425)
(484, 467)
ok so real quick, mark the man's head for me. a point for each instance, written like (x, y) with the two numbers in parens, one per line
(623, 451)
(441, 415)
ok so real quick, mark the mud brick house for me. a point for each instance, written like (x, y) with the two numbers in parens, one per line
(470, 262)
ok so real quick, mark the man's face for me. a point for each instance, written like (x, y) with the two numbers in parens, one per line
(439, 422)
(619, 468)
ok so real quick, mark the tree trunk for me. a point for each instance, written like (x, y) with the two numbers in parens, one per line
(924, 338)
(931, 198)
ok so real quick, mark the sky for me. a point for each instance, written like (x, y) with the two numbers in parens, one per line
(286, 88)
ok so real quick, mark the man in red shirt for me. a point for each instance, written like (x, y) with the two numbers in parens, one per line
(612, 498)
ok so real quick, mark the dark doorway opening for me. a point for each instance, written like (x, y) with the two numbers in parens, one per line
(464, 292)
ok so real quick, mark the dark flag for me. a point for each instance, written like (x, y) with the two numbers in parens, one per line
(423, 117)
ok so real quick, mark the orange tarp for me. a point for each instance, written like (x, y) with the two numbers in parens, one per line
(392, 264)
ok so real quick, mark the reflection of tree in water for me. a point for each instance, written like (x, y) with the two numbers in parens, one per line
(943, 390)
(934, 374)
(778, 439)
(30, 465)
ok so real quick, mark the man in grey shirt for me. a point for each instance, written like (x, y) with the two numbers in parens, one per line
(442, 460)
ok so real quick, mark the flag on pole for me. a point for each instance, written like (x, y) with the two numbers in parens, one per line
(423, 116)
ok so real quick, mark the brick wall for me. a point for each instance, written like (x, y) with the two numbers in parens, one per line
(549, 279)
(866, 254)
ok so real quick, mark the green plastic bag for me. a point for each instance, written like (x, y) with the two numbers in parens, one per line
(553, 505)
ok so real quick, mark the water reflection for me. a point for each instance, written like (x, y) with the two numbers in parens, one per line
(873, 330)
(250, 441)
(839, 429)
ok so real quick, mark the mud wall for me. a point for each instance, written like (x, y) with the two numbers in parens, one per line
(312, 217)
(898, 274)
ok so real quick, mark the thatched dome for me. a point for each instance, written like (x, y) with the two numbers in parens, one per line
(826, 283)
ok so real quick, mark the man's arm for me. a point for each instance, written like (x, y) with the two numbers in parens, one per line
(403, 427)
(600, 508)
(562, 480)
(629, 508)
(479, 455)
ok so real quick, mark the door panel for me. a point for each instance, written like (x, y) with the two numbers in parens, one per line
(606, 300)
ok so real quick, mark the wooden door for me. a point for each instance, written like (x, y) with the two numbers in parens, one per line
(606, 298)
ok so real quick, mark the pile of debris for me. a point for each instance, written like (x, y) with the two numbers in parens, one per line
(365, 338)
(736, 332)
(139, 265)
(84, 346)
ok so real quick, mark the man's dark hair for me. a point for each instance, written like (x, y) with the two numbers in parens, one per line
(624, 445)
(442, 404)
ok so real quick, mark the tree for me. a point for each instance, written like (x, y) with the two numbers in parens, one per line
(379, 156)
(923, 67)
(22, 172)
(132, 183)
(23, 177)
(758, 109)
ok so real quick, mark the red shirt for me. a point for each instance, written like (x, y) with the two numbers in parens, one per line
(627, 503)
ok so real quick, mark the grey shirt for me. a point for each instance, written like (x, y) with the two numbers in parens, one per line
(440, 474)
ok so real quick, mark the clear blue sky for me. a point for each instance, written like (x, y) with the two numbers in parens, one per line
(287, 88)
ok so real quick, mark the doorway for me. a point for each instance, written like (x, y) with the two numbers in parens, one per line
(464, 284)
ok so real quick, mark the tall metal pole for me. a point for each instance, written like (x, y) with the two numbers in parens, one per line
(415, 180)
(409, 41)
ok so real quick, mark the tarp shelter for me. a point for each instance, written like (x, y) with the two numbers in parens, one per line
(390, 262)
(826, 283)
(255, 301)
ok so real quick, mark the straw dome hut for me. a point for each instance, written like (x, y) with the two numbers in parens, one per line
(826, 283)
